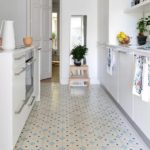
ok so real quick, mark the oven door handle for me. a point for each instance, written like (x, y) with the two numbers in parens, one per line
(21, 107)
(18, 58)
(29, 63)
(33, 99)
(18, 73)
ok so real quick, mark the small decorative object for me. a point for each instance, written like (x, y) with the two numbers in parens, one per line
(142, 27)
(8, 35)
(27, 41)
(78, 53)
(123, 38)
(137, 2)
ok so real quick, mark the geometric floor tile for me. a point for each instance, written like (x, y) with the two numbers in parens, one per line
(79, 119)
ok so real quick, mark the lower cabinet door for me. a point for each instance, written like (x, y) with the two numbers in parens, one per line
(19, 119)
(21, 108)
(113, 79)
(126, 75)
(110, 81)
(141, 115)
(18, 101)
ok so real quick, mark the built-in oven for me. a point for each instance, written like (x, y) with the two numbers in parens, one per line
(29, 74)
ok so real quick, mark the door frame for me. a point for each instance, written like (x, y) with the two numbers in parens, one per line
(59, 39)
(60, 42)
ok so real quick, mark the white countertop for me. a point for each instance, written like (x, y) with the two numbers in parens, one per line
(17, 50)
(135, 49)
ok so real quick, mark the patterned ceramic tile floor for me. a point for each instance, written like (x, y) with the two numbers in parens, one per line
(80, 119)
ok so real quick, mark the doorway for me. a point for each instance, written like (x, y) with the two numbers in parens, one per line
(55, 41)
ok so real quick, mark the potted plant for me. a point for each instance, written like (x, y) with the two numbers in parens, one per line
(78, 53)
(148, 25)
(142, 27)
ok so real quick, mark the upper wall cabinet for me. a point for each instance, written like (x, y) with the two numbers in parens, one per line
(141, 7)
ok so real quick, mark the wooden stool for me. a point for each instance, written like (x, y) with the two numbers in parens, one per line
(79, 74)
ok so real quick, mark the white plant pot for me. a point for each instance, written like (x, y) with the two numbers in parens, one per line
(8, 35)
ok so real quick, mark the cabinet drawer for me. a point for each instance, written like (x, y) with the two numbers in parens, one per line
(19, 59)
(20, 69)
(126, 62)
(18, 88)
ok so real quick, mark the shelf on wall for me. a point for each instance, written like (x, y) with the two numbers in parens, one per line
(139, 7)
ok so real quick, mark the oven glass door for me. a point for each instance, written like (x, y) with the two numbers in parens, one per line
(29, 77)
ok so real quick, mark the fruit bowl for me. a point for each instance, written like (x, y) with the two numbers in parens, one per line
(123, 39)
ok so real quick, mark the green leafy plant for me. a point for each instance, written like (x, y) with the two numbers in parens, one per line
(142, 26)
(148, 20)
(78, 52)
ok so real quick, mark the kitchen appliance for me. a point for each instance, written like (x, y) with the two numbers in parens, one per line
(29, 79)
(29, 73)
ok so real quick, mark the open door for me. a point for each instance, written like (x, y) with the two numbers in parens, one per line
(46, 53)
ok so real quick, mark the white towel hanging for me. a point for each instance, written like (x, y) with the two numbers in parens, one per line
(110, 61)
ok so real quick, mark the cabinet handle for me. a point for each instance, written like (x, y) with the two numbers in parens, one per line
(21, 108)
(18, 58)
(31, 62)
(127, 53)
(39, 48)
(18, 73)
(33, 99)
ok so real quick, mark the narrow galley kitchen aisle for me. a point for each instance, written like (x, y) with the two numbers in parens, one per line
(80, 119)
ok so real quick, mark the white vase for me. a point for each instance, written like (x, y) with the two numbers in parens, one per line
(8, 35)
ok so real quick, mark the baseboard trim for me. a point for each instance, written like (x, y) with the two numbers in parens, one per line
(135, 126)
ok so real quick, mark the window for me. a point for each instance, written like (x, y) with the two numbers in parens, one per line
(78, 30)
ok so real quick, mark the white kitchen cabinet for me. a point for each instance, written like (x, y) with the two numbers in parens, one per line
(126, 74)
(109, 81)
(13, 94)
(141, 111)
(18, 93)
(113, 79)
(120, 85)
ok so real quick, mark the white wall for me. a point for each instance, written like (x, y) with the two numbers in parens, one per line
(79, 7)
(114, 20)
(103, 32)
(120, 21)
(15, 10)
(103, 21)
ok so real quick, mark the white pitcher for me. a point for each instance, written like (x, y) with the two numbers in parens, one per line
(8, 35)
